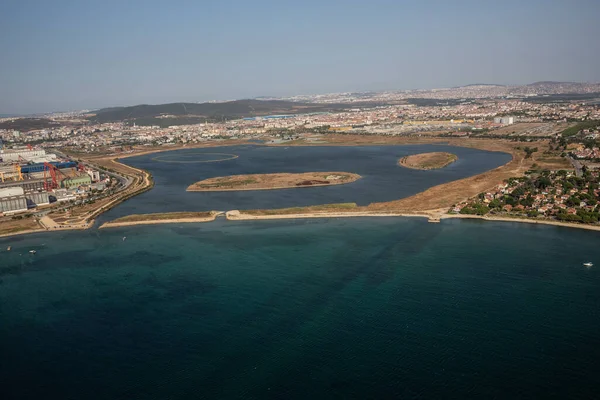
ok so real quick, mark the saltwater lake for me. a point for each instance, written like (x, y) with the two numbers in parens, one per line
(382, 179)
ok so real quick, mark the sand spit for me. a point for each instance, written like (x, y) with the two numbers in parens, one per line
(154, 219)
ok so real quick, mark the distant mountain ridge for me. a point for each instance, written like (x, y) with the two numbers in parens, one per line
(197, 112)
(479, 84)
(193, 113)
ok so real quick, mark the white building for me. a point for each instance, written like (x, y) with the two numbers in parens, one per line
(95, 175)
(12, 200)
(11, 191)
(504, 120)
(16, 155)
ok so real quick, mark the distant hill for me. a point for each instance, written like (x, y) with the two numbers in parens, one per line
(555, 88)
(553, 83)
(481, 84)
(206, 111)
(28, 124)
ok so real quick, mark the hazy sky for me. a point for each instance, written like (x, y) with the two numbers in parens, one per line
(67, 55)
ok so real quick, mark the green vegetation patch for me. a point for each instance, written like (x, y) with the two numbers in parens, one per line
(574, 130)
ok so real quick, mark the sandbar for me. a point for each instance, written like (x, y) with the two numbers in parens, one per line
(272, 181)
(162, 218)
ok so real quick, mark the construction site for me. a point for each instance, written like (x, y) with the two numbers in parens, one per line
(30, 178)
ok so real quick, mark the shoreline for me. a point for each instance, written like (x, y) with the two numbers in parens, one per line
(270, 188)
(236, 215)
(406, 161)
(432, 217)
(23, 232)
(524, 220)
(115, 224)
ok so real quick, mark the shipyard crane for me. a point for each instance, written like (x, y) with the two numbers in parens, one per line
(50, 180)
(15, 175)
(18, 174)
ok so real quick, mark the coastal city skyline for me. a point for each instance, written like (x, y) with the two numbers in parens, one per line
(151, 53)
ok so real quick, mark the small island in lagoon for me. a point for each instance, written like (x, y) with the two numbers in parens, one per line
(427, 161)
(272, 181)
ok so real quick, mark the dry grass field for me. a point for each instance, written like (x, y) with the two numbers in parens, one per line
(428, 161)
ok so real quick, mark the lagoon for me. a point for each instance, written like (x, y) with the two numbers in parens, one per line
(382, 178)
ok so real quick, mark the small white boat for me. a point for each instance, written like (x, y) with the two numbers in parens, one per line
(8, 248)
(124, 237)
(32, 251)
(588, 264)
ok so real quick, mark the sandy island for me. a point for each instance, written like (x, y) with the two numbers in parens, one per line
(272, 181)
(427, 161)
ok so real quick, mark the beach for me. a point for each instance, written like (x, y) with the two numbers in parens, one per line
(166, 218)
(236, 215)
(523, 220)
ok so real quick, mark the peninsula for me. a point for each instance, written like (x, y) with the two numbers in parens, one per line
(427, 161)
(272, 181)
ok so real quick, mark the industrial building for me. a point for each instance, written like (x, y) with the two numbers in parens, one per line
(12, 200)
(31, 178)
(94, 175)
(35, 199)
(504, 120)
(81, 180)
(20, 155)
(39, 167)
(27, 185)
(63, 195)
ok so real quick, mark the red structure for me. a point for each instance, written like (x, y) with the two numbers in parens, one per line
(50, 176)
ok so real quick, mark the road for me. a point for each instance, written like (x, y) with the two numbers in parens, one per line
(577, 165)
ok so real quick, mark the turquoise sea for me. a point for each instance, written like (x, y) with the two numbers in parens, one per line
(355, 308)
